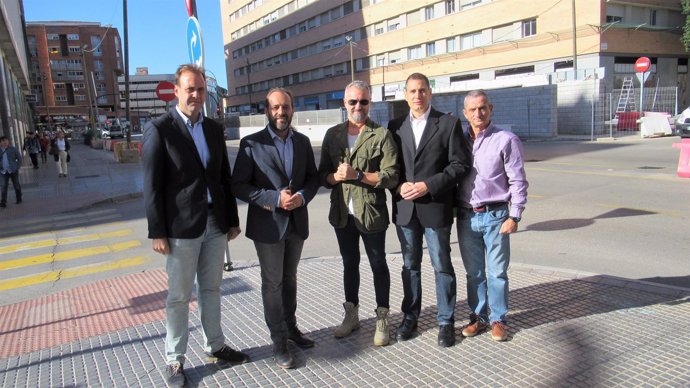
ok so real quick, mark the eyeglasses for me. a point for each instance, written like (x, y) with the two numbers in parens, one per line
(361, 102)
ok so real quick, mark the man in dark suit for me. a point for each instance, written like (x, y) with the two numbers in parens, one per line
(275, 173)
(433, 157)
(191, 215)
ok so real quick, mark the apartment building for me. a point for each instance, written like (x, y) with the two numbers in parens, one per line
(15, 110)
(73, 70)
(314, 47)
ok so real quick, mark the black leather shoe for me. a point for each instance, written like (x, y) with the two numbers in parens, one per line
(19, 201)
(230, 355)
(406, 330)
(282, 355)
(300, 340)
(446, 336)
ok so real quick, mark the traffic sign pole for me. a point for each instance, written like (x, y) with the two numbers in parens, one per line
(642, 65)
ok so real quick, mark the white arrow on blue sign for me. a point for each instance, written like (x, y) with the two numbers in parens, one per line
(195, 44)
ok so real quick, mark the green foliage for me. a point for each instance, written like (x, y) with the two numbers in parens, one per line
(91, 134)
(685, 4)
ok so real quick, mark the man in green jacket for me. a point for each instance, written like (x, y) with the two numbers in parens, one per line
(359, 162)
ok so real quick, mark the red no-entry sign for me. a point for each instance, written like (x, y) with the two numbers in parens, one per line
(642, 64)
(165, 91)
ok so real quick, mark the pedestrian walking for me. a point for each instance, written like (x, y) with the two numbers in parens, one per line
(191, 215)
(45, 146)
(59, 148)
(492, 198)
(10, 161)
(32, 147)
(359, 161)
(275, 173)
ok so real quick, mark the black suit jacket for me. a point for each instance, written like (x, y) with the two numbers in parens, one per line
(176, 182)
(441, 160)
(258, 178)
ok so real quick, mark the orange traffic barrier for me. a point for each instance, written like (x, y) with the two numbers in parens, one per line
(684, 159)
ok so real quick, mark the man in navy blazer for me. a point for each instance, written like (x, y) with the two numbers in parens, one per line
(433, 157)
(191, 215)
(275, 173)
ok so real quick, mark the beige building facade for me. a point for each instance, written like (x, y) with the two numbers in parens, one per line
(311, 46)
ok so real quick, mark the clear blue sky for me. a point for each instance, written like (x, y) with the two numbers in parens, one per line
(157, 29)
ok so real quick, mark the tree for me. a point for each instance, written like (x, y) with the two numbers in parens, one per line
(685, 5)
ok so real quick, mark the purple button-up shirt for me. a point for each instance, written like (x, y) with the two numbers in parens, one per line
(498, 172)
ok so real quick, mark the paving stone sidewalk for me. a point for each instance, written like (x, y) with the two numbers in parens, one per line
(567, 330)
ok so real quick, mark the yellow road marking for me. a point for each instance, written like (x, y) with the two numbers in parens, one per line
(68, 255)
(67, 240)
(72, 230)
(70, 273)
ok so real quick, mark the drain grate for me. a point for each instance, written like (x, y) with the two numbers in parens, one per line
(86, 176)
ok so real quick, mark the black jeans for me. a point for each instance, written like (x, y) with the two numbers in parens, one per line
(279, 263)
(34, 159)
(375, 245)
(15, 182)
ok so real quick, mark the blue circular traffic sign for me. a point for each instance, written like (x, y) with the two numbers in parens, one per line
(195, 44)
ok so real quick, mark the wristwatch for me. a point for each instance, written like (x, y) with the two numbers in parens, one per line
(360, 176)
(516, 219)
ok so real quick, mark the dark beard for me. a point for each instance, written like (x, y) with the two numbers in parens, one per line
(274, 124)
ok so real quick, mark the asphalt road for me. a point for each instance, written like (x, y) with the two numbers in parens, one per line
(606, 207)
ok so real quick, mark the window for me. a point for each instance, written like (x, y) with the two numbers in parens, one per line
(563, 65)
(58, 86)
(61, 98)
(393, 26)
(79, 97)
(451, 45)
(53, 50)
(652, 17)
(466, 77)
(515, 71)
(529, 28)
(52, 36)
(428, 13)
(469, 41)
(614, 19)
(72, 36)
(430, 49)
(414, 52)
(75, 49)
(450, 7)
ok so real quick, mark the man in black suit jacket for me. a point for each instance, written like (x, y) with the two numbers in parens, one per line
(191, 215)
(275, 173)
(433, 157)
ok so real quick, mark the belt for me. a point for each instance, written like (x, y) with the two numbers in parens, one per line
(488, 207)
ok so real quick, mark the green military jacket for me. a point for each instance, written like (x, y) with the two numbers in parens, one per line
(374, 151)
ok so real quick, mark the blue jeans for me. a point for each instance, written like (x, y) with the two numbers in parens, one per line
(438, 242)
(375, 245)
(202, 259)
(486, 256)
(279, 263)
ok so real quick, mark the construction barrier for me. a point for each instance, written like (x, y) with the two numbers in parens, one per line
(684, 159)
(627, 121)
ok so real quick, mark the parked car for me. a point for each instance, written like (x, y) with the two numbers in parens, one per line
(115, 131)
(683, 123)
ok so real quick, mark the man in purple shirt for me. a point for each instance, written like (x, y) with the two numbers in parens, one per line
(491, 198)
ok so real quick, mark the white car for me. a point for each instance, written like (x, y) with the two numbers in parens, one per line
(683, 123)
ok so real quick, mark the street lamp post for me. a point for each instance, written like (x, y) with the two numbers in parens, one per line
(352, 61)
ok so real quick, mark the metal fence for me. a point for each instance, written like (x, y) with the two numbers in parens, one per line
(606, 122)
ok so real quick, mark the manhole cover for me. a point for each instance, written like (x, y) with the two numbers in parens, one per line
(86, 176)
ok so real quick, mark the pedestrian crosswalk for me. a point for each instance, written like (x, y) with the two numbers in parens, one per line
(39, 253)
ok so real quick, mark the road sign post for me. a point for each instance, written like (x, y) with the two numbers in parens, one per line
(642, 66)
(165, 92)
